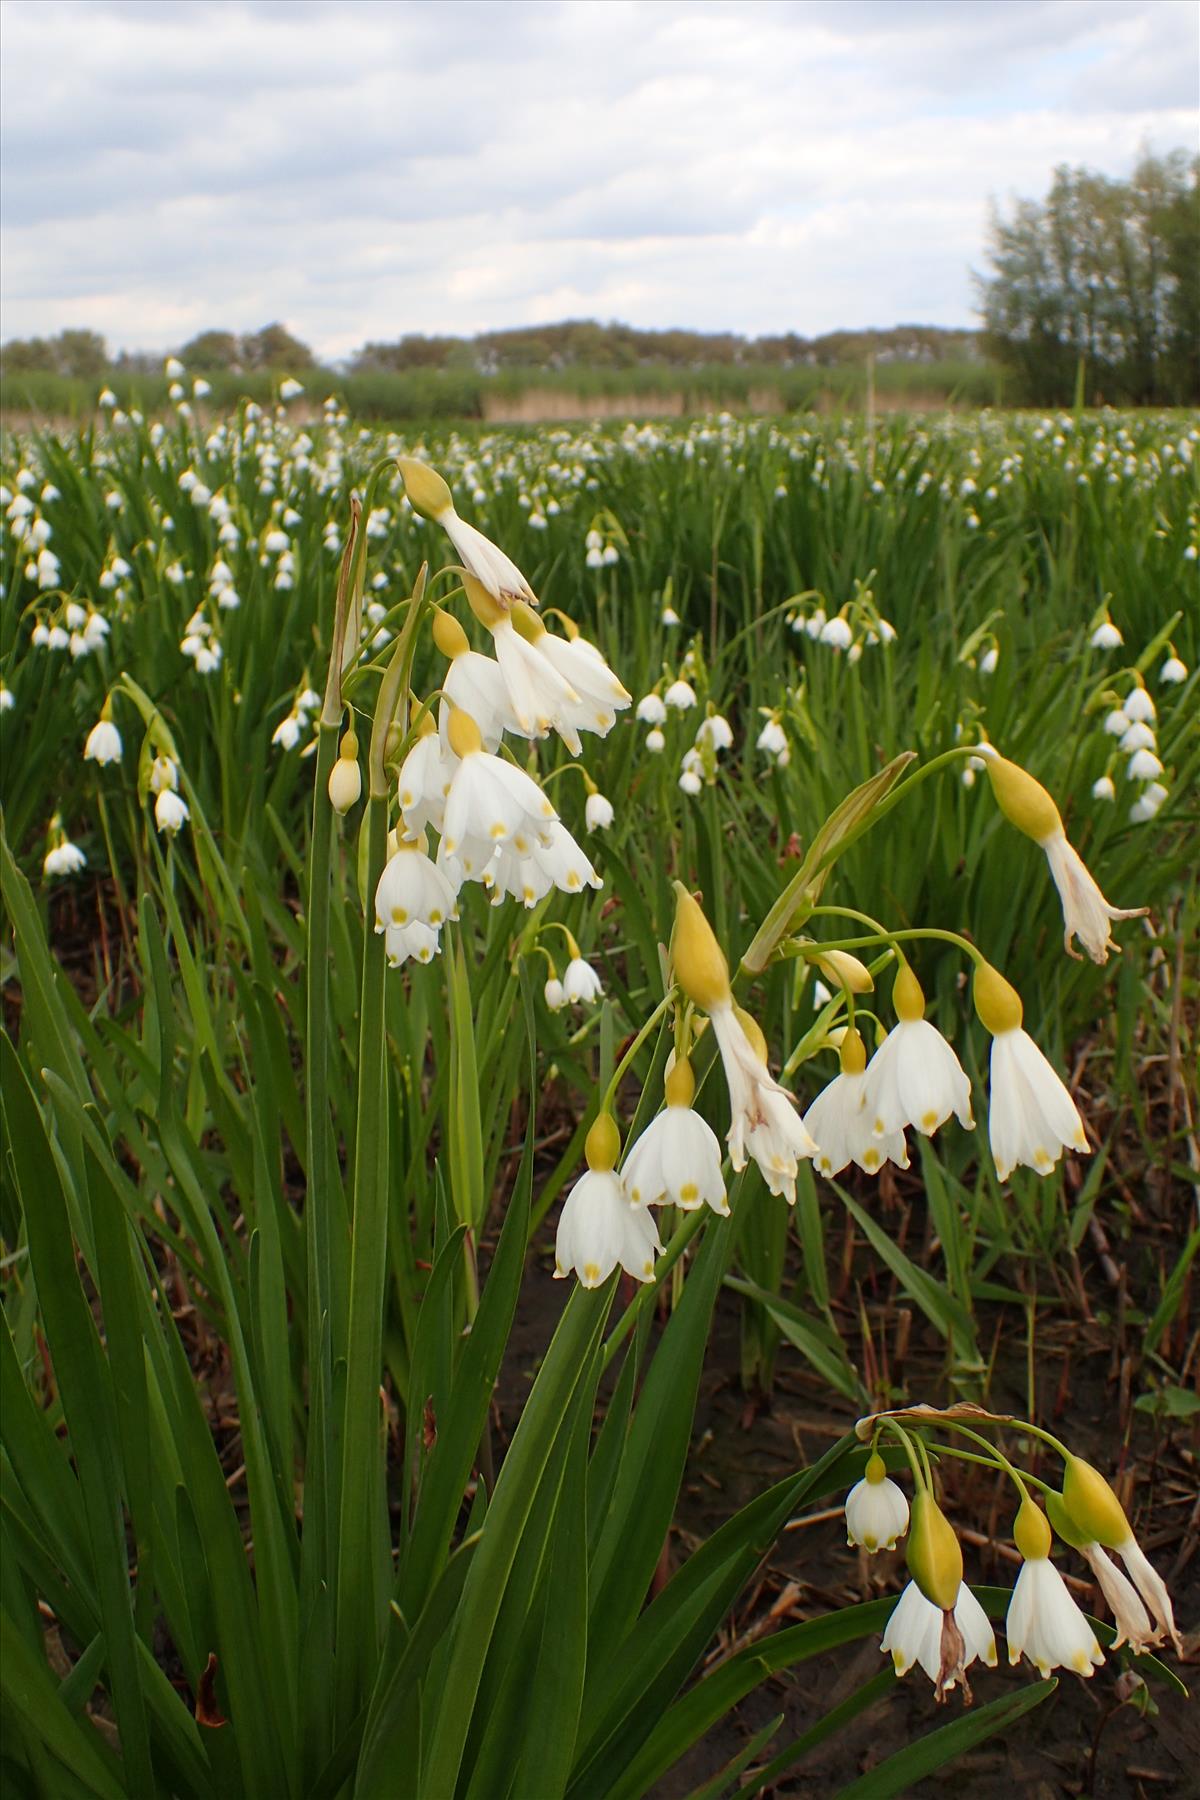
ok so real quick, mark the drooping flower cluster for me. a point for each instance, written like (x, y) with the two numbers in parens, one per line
(495, 824)
(937, 1622)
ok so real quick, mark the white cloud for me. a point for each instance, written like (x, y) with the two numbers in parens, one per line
(361, 170)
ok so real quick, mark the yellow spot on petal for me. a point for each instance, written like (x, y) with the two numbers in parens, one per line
(521, 844)
(499, 830)
(689, 1191)
(1042, 1159)
(591, 1274)
(647, 1269)
(870, 1542)
(877, 1128)
(435, 918)
(406, 797)
(871, 1161)
(399, 916)
(572, 881)
(929, 1121)
(1081, 1663)
(547, 809)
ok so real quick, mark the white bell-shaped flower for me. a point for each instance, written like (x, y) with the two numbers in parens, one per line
(600, 696)
(876, 1509)
(415, 941)
(581, 984)
(598, 812)
(913, 1634)
(63, 858)
(425, 779)
(677, 1159)
(170, 811)
(1032, 1118)
(839, 1120)
(651, 709)
(681, 695)
(490, 803)
(1129, 1615)
(527, 868)
(1046, 1625)
(413, 889)
(597, 1228)
(914, 1078)
(474, 683)
(1087, 915)
(103, 743)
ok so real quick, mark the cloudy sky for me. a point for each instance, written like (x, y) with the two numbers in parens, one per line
(362, 168)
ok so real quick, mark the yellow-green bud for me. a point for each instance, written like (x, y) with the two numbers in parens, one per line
(933, 1555)
(602, 1146)
(1031, 1532)
(1023, 801)
(680, 1085)
(1064, 1525)
(853, 1052)
(1092, 1504)
(427, 725)
(754, 1032)
(426, 490)
(463, 732)
(996, 1001)
(697, 958)
(345, 777)
(527, 621)
(846, 970)
(449, 635)
(907, 997)
(488, 611)
(876, 1469)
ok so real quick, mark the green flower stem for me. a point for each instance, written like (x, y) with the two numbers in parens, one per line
(359, 1584)
(997, 1456)
(895, 938)
(906, 1444)
(643, 1033)
(987, 1462)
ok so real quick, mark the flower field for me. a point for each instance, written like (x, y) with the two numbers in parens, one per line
(742, 871)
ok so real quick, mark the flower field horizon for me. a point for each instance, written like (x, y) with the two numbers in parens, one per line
(427, 852)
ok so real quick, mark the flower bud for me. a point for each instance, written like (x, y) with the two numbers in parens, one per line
(933, 1555)
(697, 958)
(854, 1060)
(427, 492)
(997, 1002)
(1023, 801)
(1093, 1506)
(846, 970)
(345, 777)
(602, 1146)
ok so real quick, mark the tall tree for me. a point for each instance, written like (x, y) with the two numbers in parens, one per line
(1105, 274)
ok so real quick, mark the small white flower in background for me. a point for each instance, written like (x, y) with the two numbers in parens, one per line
(1149, 804)
(1143, 765)
(1044, 1623)
(595, 557)
(716, 731)
(610, 555)
(553, 994)
(656, 743)
(1139, 706)
(170, 811)
(1117, 723)
(1106, 636)
(691, 782)
(681, 695)
(164, 775)
(841, 1124)
(677, 1159)
(1104, 788)
(345, 777)
(287, 732)
(598, 812)
(670, 616)
(1172, 672)
(63, 857)
(289, 388)
(989, 661)
(103, 742)
(59, 638)
(651, 710)
(1139, 736)
(1032, 1118)
(7, 700)
(772, 740)
(914, 1078)
(837, 633)
(913, 1634)
(597, 1228)
(201, 388)
(107, 399)
(581, 984)
(876, 1509)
